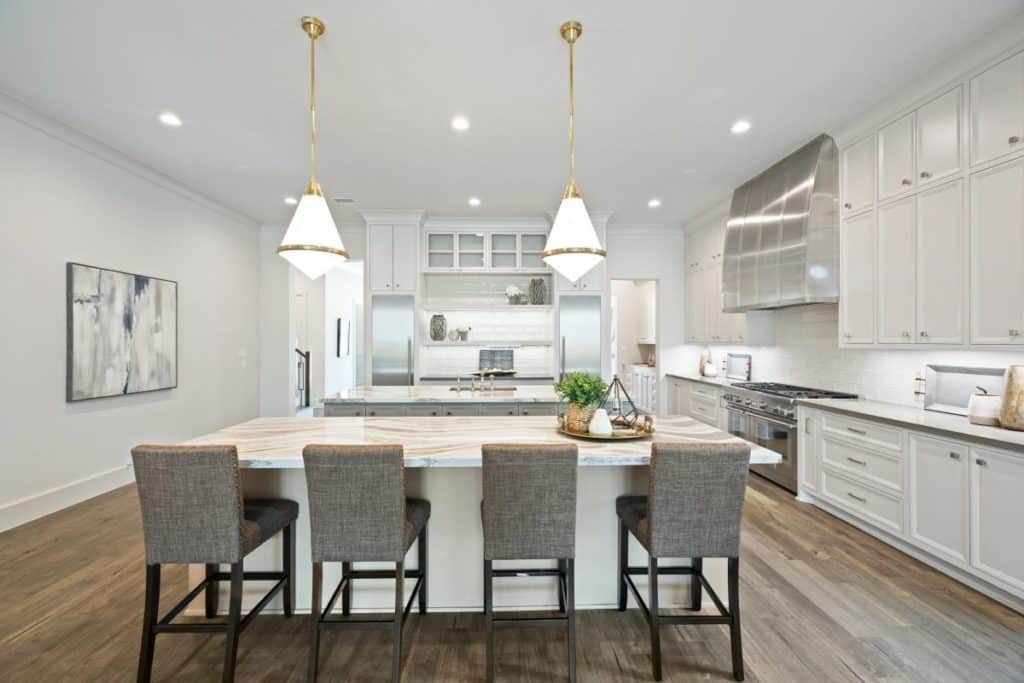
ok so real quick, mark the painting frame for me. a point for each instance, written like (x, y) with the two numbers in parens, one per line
(69, 387)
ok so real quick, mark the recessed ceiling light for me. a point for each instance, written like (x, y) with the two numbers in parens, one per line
(291, 201)
(460, 123)
(654, 203)
(474, 201)
(170, 119)
(689, 171)
(740, 127)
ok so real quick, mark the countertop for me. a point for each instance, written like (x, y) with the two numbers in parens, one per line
(277, 442)
(719, 381)
(955, 426)
(426, 393)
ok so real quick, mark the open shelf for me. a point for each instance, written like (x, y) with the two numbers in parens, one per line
(481, 306)
(474, 343)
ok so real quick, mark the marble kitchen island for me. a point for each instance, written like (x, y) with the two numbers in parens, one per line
(442, 401)
(443, 458)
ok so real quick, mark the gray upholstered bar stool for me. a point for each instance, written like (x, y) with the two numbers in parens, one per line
(529, 513)
(358, 512)
(193, 513)
(693, 509)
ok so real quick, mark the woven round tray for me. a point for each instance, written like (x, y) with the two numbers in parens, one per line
(619, 436)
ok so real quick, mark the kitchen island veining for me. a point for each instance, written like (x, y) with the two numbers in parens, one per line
(445, 394)
(443, 460)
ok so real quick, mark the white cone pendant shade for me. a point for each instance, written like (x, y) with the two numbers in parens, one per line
(312, 243)
(573, 248)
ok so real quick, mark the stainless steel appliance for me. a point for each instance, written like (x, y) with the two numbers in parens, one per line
(765, 413)
(393, 321)
(782, 238)
(579, 324)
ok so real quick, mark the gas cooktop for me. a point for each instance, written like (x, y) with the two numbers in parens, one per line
(789, 391)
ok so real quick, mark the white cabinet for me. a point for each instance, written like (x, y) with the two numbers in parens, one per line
(393, 260)
(997, 110)
(940, 265)
(641, 383)
(997, 508)
(809, 461)
(857, 279)
(896, 268)
(703, 316)
(938, 137)
(938, 494)
(694, 314)
(858, 175)
(896, 157)
(997, 255)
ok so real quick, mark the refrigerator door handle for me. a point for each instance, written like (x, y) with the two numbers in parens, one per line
(409, 352)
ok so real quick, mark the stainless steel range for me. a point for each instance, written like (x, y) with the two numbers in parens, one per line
(765, 413)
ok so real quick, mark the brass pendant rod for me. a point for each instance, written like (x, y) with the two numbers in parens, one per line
(312, 108)
(572, 128)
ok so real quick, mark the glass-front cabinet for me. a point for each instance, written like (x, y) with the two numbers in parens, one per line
(486, 250)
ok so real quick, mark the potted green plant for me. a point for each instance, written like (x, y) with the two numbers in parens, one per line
(584, 392)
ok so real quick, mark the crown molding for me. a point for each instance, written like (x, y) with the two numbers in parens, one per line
(487, 222)
(25, 115)
(405, 216)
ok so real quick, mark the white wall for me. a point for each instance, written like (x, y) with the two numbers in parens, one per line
(67, 198)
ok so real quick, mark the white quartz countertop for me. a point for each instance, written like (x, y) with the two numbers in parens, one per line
(443, 394)
(926, 420)
(277, 442)
(719, 381)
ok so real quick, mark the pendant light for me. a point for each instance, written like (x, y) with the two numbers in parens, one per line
(312, 243)
(572, 248)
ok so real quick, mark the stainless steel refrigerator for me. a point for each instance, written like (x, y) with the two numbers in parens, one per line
(579, 326)
(393, 323)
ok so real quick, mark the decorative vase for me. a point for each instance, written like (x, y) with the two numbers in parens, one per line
(577, 418)
(538, 291)
(1012, 416)
(438, 327)
(600, 424)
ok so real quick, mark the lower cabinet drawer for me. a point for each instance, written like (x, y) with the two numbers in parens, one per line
(426, 410)
(705, 411)
(538, 409)
(877, 508)
(343, 410)
(499, 410)
(385, 410)
(883, 470)
(461, 411)
(862, 431)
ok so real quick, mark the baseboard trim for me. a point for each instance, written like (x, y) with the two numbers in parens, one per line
(47, 502)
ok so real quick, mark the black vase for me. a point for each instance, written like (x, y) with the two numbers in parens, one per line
(438, 327)
(538, 291)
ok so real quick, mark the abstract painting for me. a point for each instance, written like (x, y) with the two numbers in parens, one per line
(122, 333)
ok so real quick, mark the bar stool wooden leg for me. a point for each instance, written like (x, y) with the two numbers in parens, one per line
(396, 651)
(316, 605)
(233, 623)
(149, 618)
(570, 624)
(346, 593)
(422, 560)
(652, 569)
(562, 579)
(489, 617)
(289, 569)
(734, 610)
(696, 587)
(623, 562)
(212, 592)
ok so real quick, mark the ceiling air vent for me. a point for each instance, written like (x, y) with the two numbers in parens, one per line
(343, 200)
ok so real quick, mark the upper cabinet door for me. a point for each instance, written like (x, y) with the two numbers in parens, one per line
(381, 265)
(896, 157)
(997, 110)
(938, 137)
(857, 279)
(997, 254)
(896, 267)
(858, 171)
(694, 314)
(940, 265)
(405, 261)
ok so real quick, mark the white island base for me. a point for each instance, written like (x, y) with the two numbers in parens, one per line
(450, 478)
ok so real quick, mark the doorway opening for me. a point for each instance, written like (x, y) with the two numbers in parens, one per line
(634, 340)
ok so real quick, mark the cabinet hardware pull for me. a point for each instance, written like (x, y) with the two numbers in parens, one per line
(857, 498)
(372, 413)
(807, 425)
(1014, 333)
(847, 205)
(981, 462)
(954, 455)
(905, 181)
(924, 333)
(926, 174)
(856, 462)
(857, 431)
(1014, 139)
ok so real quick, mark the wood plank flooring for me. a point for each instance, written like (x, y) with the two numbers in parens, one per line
(821, 602)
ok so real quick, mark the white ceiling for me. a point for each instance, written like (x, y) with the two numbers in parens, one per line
(658, 84)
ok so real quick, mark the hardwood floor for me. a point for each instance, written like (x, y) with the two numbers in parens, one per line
(821, 602)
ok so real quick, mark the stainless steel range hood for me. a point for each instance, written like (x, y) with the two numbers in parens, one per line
(782, 238)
